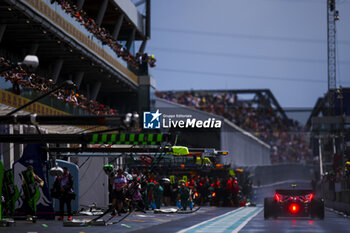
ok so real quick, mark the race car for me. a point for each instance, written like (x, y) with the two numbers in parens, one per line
(293, 203)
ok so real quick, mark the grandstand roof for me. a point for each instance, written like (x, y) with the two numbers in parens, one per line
(134, 19)
(261, 94)
(322, 105)
(26, 26)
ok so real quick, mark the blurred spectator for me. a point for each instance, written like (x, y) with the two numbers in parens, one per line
(21, 79)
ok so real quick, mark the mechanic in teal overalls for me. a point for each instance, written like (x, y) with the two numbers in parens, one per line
(158, 195)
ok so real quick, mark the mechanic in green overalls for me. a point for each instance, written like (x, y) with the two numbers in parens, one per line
(158, 195)
(184, 195)
(31, 191)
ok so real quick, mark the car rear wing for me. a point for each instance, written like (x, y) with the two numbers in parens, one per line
(294, 192)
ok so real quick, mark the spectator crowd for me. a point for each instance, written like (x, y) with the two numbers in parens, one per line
(286, 138)
(23, 79)
(104, 36)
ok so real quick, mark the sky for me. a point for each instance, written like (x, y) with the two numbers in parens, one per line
(248, 44)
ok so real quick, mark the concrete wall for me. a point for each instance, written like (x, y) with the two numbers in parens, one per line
(93, 182)
(282, 172)
(244, 149)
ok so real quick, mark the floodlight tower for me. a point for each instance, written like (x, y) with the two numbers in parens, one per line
(332, 17)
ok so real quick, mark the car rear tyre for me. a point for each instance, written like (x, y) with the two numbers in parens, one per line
(321, 210)
(317, 209)
(269, 208)
(266, 208)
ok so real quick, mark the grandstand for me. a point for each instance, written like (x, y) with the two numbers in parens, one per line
(99, 45)
(255, 111)
(68, 50)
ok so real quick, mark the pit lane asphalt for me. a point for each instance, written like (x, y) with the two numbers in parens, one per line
(234, 221)
(136, 221)
(332, 223)
(207, 219)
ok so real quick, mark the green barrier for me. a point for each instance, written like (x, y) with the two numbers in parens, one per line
(10, 193)
(179, 150)
(1, 180)
(127, 139)
(30, 189)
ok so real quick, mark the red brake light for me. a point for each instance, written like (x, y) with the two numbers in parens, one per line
(309, 197)
(278, 197)
(294, 208)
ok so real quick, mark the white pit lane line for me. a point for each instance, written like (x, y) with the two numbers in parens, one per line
(232, 221)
